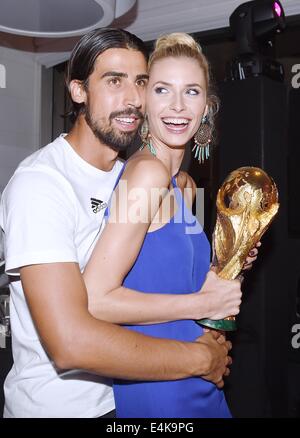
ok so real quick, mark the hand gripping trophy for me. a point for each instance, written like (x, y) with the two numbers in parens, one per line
(246, 203)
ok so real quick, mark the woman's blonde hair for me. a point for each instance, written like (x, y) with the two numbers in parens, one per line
(179, 44)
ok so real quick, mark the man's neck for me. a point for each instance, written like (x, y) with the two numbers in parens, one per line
(89, 148)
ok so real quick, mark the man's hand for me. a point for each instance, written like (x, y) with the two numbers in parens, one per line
(218, 360)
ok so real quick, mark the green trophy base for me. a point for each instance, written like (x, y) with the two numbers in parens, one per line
(228, 325)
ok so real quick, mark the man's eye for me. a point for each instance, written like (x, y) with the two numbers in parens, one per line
(160, 90)
(141, 83)
(114, 81)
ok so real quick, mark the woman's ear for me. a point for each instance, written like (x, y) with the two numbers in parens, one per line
(77, 91)
(205, 111)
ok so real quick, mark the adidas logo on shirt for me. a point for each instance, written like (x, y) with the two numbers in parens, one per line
(97, 205)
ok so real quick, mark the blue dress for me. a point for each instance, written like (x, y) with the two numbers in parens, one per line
(173, 260)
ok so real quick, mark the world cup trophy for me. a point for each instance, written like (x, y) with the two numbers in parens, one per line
(246, 204)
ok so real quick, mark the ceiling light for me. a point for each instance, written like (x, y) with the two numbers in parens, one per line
(59, 18)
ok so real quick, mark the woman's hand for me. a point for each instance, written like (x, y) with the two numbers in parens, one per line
(252, 256)
(220, 298)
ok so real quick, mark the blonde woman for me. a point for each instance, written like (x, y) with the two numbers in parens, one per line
(151, 272)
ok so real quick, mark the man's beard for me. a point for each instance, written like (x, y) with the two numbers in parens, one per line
(109, 135)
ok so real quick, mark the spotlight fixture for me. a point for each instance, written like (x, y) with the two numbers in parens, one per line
(254, 25)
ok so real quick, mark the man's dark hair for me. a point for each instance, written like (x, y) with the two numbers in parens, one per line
(89, 47)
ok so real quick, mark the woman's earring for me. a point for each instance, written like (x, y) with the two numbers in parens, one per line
(202, 141)
(146, 138)
(144, 131)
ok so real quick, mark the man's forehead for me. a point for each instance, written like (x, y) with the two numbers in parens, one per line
(123, 60)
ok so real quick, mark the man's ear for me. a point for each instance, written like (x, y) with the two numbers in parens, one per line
(77, 91)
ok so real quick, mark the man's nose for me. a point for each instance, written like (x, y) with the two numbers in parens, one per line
(134, 96)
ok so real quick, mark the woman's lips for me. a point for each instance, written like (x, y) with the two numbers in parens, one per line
(176, 125)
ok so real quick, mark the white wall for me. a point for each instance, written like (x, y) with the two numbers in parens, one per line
(20, 109)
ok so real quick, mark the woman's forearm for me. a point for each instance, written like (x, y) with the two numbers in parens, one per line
(126, 306)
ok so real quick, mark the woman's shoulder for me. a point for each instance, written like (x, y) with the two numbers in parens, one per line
(147, 170)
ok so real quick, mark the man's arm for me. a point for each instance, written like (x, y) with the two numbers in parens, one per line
(40, 246)
(74, 339)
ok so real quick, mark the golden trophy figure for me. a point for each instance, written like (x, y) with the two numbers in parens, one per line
(246, 204)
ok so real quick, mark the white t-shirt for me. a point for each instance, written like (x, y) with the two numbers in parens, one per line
(51, 211)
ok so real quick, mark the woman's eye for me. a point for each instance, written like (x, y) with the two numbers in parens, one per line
(193, 92)
(160, 90)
